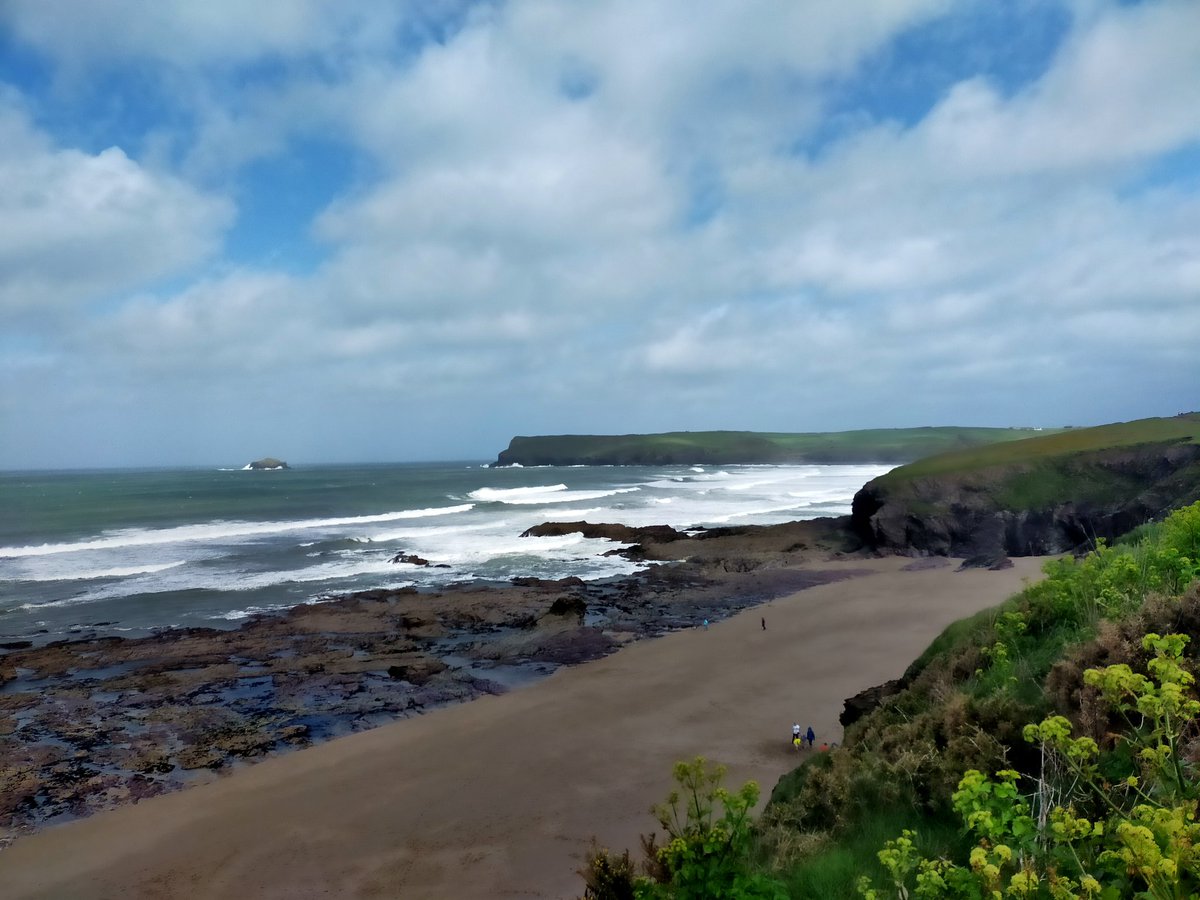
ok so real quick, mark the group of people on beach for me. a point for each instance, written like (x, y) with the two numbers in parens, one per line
(800, 738)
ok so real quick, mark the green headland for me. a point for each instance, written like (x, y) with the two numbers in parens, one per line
(882, 445)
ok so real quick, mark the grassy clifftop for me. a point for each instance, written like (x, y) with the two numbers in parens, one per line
(1046, 494)
(885, 445)
(1047, 447)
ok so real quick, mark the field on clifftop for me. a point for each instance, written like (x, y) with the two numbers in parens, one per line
(1046, 494)
(1181, 429)
(885, 445)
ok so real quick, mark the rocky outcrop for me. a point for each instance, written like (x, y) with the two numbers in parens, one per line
(622, 534)
(268, 462)
(1029, 508)
(568, 607)
(868, 700)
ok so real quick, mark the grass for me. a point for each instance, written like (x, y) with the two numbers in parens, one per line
(1032, 451)
(834, 873)
(724, 447)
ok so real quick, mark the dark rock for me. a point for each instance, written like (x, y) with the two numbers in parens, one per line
(569, 606)
(417, 672)
(16, 645)
(985, 561)
(868, 700)
(268, 462)
(552, 584)
(622, 534)
(410, 558)
(635, 552)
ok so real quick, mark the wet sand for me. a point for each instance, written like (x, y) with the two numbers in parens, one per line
(500, 796)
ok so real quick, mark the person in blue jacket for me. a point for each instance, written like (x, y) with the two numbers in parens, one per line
(810, 736)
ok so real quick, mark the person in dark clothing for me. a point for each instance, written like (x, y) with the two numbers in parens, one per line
(764, 623)
(810, 736)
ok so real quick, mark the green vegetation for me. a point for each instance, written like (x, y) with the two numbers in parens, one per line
(1047, 450)
(706, 853)
(727, 447)
(1045, 749)
(1042, 495)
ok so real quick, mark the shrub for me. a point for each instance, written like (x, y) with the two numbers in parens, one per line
(710, 845)
(709, 852)
(1080, 833)
(607, 876)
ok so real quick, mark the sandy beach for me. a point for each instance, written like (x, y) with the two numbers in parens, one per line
(499, 797)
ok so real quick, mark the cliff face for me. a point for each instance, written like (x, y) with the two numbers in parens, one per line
(1029, 508)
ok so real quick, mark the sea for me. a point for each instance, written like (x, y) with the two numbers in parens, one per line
(133, 551)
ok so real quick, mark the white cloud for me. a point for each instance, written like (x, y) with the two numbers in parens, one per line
(530, 249)
(1123, 87)
(77, 227)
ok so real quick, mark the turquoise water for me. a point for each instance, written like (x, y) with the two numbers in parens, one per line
(131, 550)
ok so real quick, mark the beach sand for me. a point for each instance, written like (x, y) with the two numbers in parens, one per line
(499, 797)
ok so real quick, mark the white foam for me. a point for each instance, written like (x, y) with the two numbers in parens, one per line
(555, 493)
(476, 534)
(116, 572)
(337, 571)
(214, 531)
(506, 495)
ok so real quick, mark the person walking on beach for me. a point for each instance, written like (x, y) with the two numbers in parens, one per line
(796, 739)
(706, 624)
(764, 623)
(810, 736)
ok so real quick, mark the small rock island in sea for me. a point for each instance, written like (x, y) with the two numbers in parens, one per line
(268, 462)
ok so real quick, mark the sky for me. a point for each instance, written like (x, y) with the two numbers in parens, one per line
(331, 231)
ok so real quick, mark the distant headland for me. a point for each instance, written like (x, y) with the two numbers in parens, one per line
(878, 445)
(267, 462)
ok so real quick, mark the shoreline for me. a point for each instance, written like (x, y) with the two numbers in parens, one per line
(95, 723)
(500, 796)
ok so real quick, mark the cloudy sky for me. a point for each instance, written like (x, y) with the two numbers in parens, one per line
(397, 231)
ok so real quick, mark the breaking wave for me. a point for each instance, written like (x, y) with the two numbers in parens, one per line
(215, 531)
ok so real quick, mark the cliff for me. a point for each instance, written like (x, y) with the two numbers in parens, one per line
(881, 445)
(1040, 496)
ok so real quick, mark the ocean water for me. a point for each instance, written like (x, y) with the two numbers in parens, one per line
(132, 550)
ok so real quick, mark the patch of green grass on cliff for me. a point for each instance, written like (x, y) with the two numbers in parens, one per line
(1035, 451)
(731, 447)
(1052, 481)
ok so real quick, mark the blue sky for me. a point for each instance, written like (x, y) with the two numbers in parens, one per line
(331, 231)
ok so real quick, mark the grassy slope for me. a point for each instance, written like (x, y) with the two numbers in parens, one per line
(874, 445)
(1040, 472)
(1032, 450)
